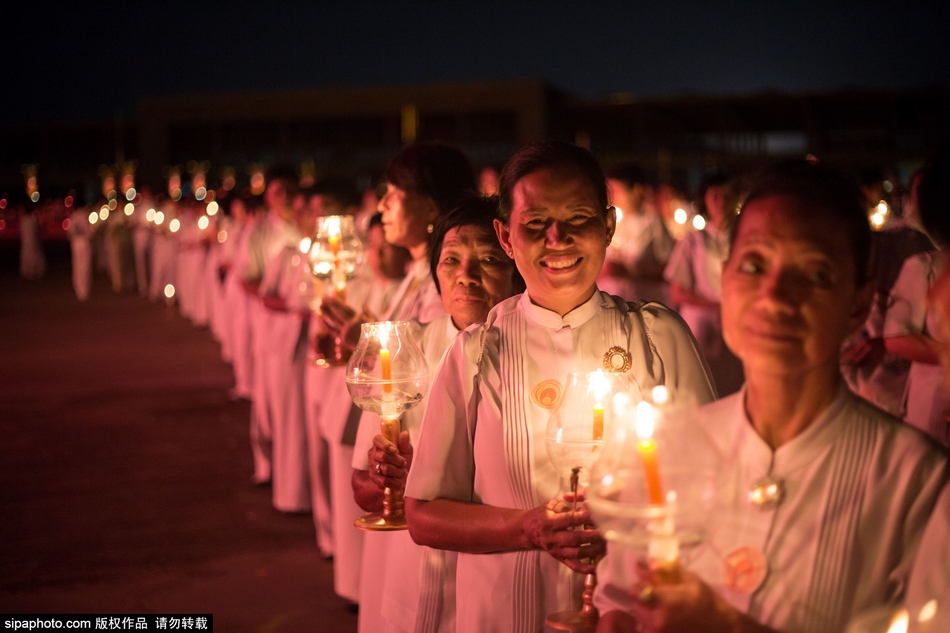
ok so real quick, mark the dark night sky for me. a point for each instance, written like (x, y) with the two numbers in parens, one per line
(89, 60)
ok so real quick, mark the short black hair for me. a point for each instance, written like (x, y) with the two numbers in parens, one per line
(829, 193)
(436, 170)
(474, 210)
(548, 155)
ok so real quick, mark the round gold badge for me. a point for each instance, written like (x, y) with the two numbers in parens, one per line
(546, 394)
(616, 360)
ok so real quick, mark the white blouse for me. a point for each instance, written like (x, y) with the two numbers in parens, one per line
(482, 438)
(859, 487)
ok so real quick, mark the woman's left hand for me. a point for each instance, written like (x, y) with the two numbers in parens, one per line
(389, 463)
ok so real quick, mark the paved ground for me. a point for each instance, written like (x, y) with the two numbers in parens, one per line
(125, 471)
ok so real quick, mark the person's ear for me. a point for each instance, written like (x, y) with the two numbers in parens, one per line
(504, 237)
(611, 222)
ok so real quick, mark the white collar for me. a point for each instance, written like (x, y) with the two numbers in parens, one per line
(573, 319)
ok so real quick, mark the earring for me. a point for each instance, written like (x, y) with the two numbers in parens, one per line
(429, 229)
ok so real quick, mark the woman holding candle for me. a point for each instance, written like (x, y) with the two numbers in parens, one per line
(423, 181)
(481, 482)
(829, 495)
(472, 274)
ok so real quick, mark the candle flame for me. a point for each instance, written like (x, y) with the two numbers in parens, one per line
(660, 394)
(383, 335)
(600, 385)
(645, 424)
(333, 226)
(899, 623)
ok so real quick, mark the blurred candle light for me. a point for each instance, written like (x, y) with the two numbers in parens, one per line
(699, 222)
(129, 208)
(680, 216)
(203, 222)
(150, 215)
(212, 208)
(174, 225)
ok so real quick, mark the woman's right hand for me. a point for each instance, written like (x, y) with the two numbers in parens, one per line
(551, 527)
(337, 316)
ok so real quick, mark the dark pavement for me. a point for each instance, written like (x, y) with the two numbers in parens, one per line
(125, 470)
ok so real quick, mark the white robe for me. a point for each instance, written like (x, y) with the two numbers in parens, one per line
(482, 438)
(416, 299)
(859, 486)
(696, 266)
(418, 591)
(80, 245)
(926, 402)
(328, 408)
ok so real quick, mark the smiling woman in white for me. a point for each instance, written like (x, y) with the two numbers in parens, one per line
(481, 482)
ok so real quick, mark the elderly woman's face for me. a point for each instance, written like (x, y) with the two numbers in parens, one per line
(474, 274)
(788, 290)
(558, 233)
(406, 216)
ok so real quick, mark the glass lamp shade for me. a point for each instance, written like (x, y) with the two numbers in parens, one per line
(582, 419)
(336, 253)
(387, 372)
(655, 487)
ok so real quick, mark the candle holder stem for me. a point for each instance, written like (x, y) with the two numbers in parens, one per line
(393, 516)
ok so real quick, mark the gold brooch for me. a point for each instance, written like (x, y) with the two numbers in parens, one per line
(616, 360)
(546, 394)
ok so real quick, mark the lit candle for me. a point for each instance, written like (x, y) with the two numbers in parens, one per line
(647, 448)
(385, 366)
(598, 421)
(333, 235)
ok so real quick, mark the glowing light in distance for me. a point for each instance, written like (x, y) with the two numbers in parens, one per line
(203, 222)
(882, 208)
(150, 215)
(68, 201)
(699, 222)
(159, 217)
(222, 236)
(35, 196)
(112, 204)
(130, 193)
(212, 208)
(104, 214)
(660, 394)
(877, 220)
(304, 245)
(174, 225)
(888, 186)
(169, 291)
(93, 217)
(679, 216)
(3, 203)
(928, 611)
(176, 195)
(200, 193)
(129, 208)
(66, 224)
